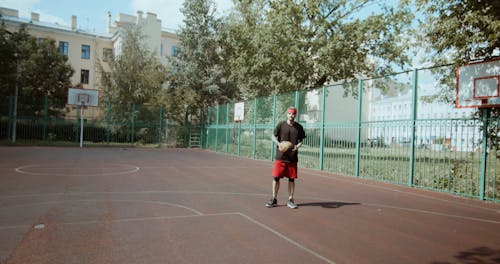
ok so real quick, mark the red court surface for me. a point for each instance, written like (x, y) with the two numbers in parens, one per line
(117, 205)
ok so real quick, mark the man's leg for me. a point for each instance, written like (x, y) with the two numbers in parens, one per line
(292, 175)
(276, 187)
(291, 188)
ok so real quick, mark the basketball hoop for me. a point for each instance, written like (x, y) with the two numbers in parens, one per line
(82, 98)
(478, 85)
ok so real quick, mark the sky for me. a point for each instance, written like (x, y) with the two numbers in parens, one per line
(91, 14)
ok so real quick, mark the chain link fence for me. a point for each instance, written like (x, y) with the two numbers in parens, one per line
(387, 129)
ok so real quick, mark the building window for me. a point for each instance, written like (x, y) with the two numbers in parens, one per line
(161, 49)
(84, 76)
(63, 47)
(85, 52)
(106, 54)
(175, 51)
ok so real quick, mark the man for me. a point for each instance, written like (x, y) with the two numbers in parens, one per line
(285, 164)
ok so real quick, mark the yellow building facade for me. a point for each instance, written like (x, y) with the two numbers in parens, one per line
(85, 50)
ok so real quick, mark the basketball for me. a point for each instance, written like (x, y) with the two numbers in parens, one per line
(285, 146)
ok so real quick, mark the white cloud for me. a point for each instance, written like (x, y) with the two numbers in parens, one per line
(169, 10)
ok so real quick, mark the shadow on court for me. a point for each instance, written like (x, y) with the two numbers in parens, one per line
(479, 255)
(328, 204)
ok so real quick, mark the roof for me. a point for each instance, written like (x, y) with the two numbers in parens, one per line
(54, 26)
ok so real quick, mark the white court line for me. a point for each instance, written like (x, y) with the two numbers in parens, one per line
(25, 170)
(434, 213)
(233, 193)
(280, 235)
(311, 172)
(285, 238)
(134, 192)
(200, 167)
(105, 200)
(402, 192)
(142, 219)
(14, 227)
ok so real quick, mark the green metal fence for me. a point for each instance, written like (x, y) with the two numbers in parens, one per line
(109, 124)
(391, 132)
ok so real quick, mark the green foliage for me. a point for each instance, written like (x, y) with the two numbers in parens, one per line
(199, 78)
(135, 76)
(457, 32)
(40, 70)
(278, 46)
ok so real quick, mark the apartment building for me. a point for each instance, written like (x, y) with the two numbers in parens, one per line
(85, 50)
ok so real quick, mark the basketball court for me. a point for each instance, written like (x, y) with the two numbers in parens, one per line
(120, 205)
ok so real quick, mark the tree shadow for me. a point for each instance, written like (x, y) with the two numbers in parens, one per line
(479, 255)
(328, 204)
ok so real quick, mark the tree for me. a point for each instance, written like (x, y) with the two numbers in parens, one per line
(199, 77)
(456, 32)
(279, 46)
(460, 31)
(135, 76)
(40, 70)
(133, 84)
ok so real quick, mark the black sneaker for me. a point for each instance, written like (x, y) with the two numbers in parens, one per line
(291, 204)
(272, 203)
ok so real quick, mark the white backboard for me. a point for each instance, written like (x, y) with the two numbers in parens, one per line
(85, 97)
(478, 84)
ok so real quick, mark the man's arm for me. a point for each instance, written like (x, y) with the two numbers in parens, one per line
(275, 140)
(296, 147)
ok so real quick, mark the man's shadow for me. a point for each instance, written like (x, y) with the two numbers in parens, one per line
(328, 204)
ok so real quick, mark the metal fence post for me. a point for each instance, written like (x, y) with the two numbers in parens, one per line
(358, 133)
(202, 128)
(160, 126)
(322, 131)
(413, 127)
(254, 128)
(208, 126)
(296, 103)
(216, 126)
(9, 127)
(274, 124)
(108, 122)
(484, 155)
(132, 127)
(227, 127)
(45, 117)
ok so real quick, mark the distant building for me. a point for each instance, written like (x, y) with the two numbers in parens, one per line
(438, 126)
(387, 118)
(86, 49)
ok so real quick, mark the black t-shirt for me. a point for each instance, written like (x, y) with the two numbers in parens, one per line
(286, 132)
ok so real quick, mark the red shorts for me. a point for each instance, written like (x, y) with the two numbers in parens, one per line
(284, 169)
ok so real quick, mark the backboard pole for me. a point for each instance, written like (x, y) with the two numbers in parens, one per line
(239, 138)
(486, 113)
(81, 124)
